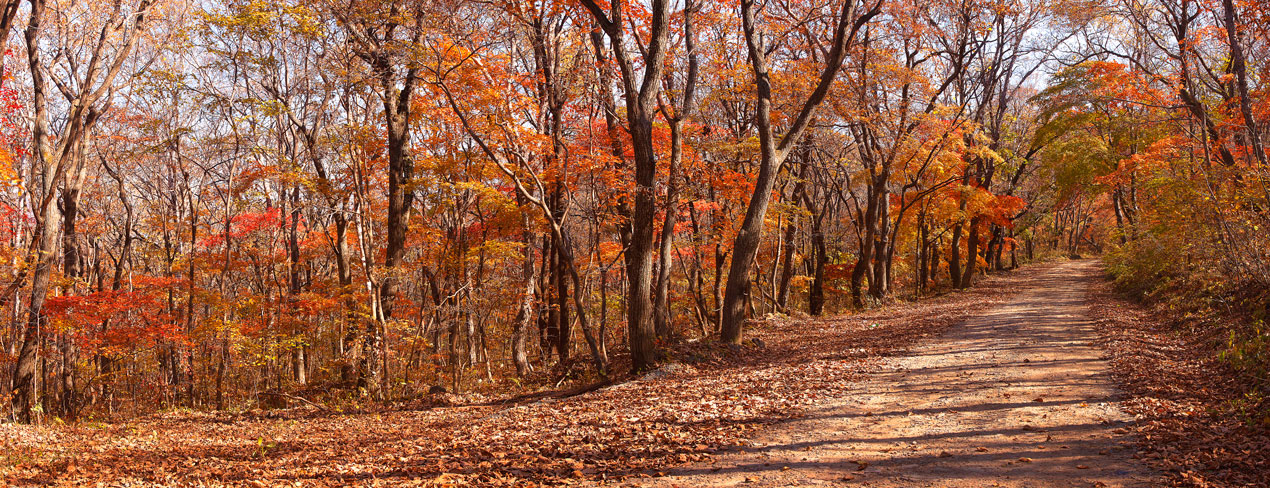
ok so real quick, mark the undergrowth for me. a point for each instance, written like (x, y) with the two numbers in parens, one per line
(1227, 310)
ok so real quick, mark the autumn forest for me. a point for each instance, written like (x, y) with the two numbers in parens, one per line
(345, 207)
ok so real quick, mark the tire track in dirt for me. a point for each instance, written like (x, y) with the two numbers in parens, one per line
(1015, 397)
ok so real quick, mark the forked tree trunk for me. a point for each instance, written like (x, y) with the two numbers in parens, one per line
(773, 152)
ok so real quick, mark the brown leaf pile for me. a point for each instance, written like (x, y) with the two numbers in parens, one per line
(713, 399)
(1182, 396)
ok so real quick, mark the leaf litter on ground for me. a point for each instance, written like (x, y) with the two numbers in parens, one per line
(631, 429)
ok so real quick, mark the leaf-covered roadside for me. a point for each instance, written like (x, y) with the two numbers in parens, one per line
(1186, 400)
(632, 429)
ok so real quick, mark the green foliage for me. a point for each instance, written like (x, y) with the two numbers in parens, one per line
(1141, 266)
(263, 446)
(1149, 269)
(1249, 354)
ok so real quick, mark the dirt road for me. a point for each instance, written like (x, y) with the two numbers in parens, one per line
(1014, 397)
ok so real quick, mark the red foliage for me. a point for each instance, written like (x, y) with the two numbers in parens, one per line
(117, 319)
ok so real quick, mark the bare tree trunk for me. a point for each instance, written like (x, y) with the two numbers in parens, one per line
(563, 326)
(525, 315)
(878, 283)
(816, 290)
(71, 262)
(787, 268)
(662, 319)
(864, 260)
(954, 252)
(378, 41)
(1239, 66)
(641, 99)
(972, 253)
(923, 253)
(773, 152)
(661, 307)
(105, 365)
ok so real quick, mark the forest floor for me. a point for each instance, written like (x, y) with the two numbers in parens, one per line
(1015, 396)
(993, 385)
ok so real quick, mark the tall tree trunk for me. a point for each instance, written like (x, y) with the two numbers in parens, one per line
(400, 174)
(864, 260)
(549, 322)
(294, 286)
(1239, 67)
(563, 326)
(640, 89)
(954, 253)
(525, 315)
(379, 41)
(816, 289)
(878, 284)
(972, 253)
(773, 152)
(787, 268)
(641, 333)
(662, 319)
(923, 253)
(933, 258)
(71, 263)
(44, 239)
